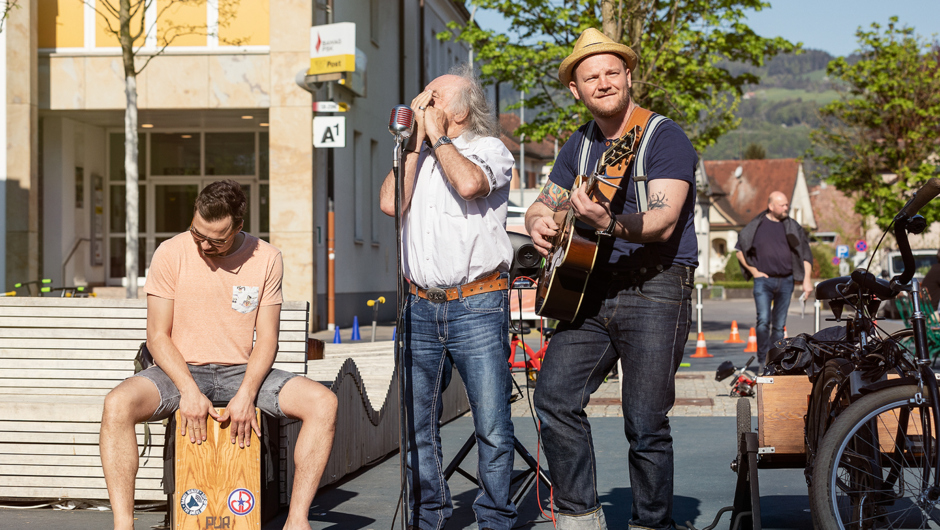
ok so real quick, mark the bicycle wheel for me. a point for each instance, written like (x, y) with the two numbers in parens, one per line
(825, 404)
(871, 470)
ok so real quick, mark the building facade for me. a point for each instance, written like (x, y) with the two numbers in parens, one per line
(221, 100)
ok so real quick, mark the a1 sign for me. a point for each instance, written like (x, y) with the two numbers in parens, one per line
(329, 131)
(861, 245)
(842, 251)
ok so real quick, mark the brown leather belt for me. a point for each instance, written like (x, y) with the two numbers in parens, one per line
(487, 284)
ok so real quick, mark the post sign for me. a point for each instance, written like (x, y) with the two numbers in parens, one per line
(842, 251)
(329, 131)
(861, 245)
(332, 48)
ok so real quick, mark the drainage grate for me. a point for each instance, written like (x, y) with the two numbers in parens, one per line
(690, 376)
(680, 402)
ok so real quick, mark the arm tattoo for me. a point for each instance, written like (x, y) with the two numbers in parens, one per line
(658, 201)
(554, 196)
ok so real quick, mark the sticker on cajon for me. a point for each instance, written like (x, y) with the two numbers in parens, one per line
(218, 484)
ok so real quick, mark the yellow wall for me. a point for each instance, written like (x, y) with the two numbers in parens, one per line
(106, 39)
(184, 22)
(244, 22)
(62, 24)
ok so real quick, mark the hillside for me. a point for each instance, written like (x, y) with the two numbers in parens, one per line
(778, 113)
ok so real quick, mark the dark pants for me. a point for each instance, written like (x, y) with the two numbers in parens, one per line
(642, 320)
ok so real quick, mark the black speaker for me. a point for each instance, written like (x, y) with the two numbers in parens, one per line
(526, 260)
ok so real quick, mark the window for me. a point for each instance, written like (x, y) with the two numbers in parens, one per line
(178, 166)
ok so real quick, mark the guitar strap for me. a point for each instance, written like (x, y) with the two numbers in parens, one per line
(647, 121)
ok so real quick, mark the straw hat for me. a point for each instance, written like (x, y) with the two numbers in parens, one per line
(592, 42)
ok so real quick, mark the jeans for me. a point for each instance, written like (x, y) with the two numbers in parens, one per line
(770, 322)
(471, 333)
(642, 320)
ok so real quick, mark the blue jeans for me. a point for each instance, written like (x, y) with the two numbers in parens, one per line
(770, 322)
(642, 320)
(471, 333)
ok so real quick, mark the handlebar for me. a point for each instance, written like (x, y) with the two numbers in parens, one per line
(925, 194)
(749, 361)
(880, 288)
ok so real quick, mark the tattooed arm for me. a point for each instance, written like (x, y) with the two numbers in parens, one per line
(666, 197)
(540, 218)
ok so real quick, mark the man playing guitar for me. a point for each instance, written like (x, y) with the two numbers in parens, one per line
(637, 300)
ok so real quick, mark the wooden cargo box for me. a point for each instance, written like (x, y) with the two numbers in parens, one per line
(782, 401)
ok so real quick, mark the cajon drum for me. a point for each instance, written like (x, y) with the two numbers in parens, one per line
(217, 484)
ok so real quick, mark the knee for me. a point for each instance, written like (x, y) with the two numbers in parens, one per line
(121, 406)
(314, 403)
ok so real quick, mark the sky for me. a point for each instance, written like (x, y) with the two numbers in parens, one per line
(827, 25)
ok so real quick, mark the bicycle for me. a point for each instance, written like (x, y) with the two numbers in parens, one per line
(744, 380)
(875, 449)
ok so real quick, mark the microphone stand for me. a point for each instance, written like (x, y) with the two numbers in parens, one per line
(399, 343)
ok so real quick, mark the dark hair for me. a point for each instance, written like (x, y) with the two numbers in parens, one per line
(220, 200)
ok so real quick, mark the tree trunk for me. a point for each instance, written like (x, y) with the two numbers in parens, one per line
(611, 22)
(635, 21)
(131, 228)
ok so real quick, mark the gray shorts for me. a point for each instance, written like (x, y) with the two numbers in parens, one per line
(219, 383)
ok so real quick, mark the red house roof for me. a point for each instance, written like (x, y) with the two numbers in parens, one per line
(741, 194)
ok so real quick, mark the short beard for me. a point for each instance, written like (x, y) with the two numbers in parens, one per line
(621, 106)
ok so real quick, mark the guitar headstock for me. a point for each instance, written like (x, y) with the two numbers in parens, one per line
(620, 149)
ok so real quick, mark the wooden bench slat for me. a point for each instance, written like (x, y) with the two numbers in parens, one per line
(31, 322)
(106, 344)
(85, 427)
(152, 462)
(56, 333)
(57, 438)
(74, 472)
(66, 364)
(53, 392)
(69, 482)
(145, 492)
(93, 356)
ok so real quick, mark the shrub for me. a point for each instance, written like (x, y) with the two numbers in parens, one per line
(822, 262)
(733, 270)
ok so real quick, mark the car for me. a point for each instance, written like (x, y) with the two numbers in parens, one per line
(891, 265)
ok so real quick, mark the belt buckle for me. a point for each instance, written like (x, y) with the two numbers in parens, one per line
(436, 295)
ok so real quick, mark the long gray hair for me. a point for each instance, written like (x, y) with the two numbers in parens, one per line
(480, 119)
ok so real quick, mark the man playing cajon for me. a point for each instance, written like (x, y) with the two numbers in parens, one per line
(209, 292)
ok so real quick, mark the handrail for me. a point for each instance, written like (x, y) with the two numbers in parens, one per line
(72, 253)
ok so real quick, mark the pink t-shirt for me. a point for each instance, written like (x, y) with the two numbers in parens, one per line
(215, 301)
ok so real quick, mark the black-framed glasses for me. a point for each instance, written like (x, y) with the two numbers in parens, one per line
(214, 242)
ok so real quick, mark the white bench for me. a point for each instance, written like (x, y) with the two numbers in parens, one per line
(59, 357)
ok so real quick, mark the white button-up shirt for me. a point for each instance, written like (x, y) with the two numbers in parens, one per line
(450, 241)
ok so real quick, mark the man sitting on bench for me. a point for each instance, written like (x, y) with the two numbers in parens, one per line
(208, 292)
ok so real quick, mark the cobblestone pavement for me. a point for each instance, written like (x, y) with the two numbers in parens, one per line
(697, 394)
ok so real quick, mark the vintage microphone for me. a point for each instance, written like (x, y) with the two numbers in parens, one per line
(401, 124)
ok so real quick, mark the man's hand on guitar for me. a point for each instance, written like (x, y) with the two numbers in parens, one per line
(596, 214)
(543, 231)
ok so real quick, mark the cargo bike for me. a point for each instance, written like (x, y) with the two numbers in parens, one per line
(854, 406)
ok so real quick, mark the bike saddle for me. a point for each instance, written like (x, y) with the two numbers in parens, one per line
(836, 289)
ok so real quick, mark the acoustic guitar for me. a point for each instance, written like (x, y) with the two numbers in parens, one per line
(566, 270)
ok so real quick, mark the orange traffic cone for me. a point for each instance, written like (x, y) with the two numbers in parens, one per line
(785, 333)
(700, 350)
(735, 337)
(751, 342)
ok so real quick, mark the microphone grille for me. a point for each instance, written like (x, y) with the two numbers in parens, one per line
(404, 116)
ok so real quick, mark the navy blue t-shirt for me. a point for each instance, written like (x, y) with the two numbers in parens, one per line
(670, 155)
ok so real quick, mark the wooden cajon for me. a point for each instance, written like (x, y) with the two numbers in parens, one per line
(217, 483)
(782, 402)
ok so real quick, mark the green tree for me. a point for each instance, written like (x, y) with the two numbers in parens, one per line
(879, 138)
(680, 44)
(754, 152)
